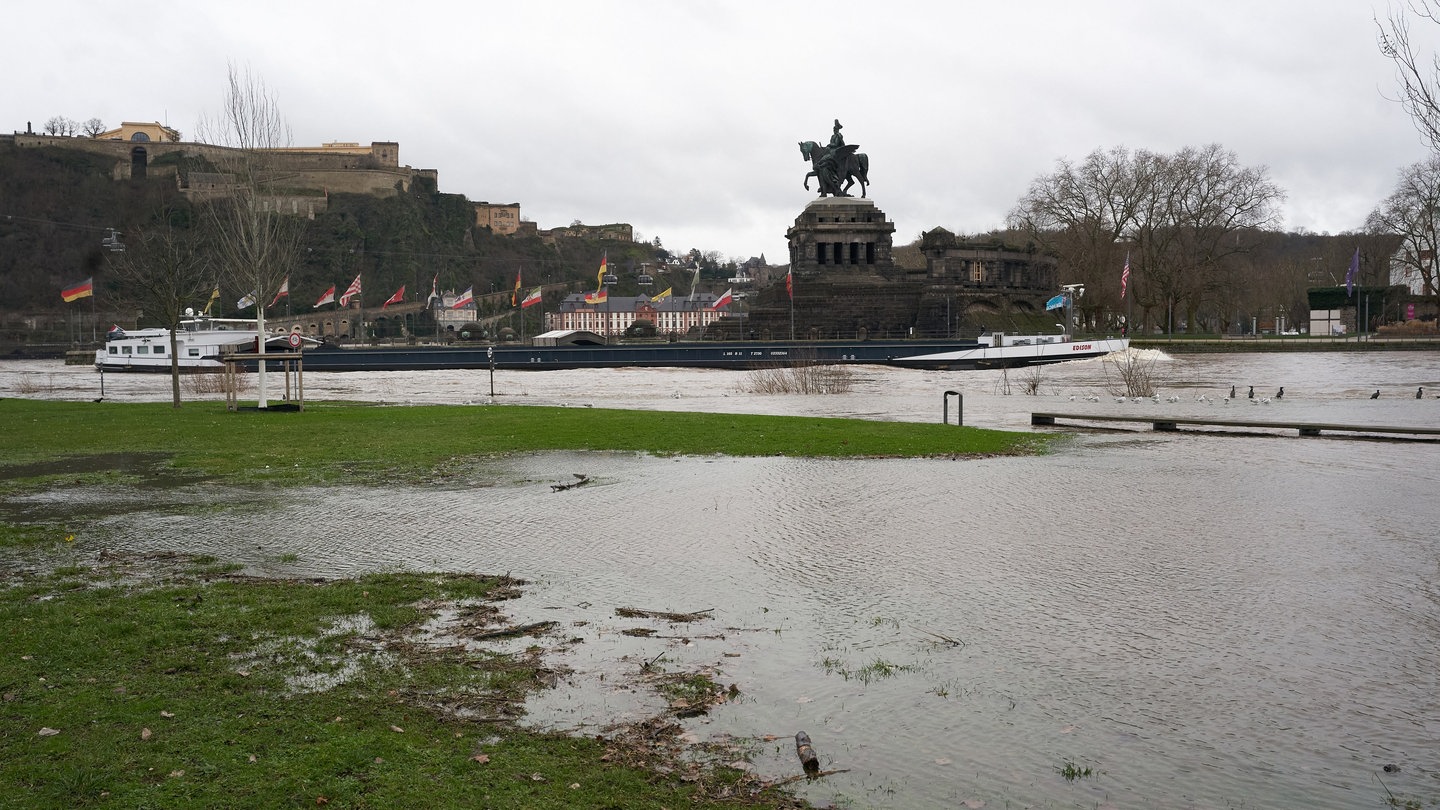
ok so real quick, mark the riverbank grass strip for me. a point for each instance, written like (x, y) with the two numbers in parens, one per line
(336, 441)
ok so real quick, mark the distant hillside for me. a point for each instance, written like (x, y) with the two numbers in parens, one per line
(56, 204)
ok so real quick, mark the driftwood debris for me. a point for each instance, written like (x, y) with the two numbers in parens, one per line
(515, 630)
(808, 760)
(953, 642)
(639, 613)
(807, 776)
(581, 480)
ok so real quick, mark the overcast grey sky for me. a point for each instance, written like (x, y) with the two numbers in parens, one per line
(682, 118)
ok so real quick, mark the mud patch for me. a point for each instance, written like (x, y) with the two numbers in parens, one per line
(149, 468)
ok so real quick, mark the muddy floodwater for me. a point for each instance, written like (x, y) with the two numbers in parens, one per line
(1194, 620)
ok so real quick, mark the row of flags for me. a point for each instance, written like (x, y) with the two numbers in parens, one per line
(86, 288)
(602, 292)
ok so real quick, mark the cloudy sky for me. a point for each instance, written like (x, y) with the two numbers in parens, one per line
(682, 118)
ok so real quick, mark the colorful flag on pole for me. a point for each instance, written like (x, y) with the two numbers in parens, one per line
(214, 296)
(397, 298)
(600, 276)
(247, 300)
(75, 292)
(600, 296)
(350, 292)
(467, 297)
(1125, 276)
(515, 294)
(1351, 276)
(662, 296)
(531, 298)
(282, 292)
(1055, 303)
(327, 298)
(434, 289)
(724, 299)
(790, 284)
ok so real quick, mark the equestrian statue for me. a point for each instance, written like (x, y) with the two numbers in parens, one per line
(836, 164)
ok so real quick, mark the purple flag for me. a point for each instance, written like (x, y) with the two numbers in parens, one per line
(1352, 274)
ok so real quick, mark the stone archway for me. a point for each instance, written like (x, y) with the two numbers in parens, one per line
(137, 163)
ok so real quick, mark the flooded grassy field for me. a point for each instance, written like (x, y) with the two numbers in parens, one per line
(1136, 620)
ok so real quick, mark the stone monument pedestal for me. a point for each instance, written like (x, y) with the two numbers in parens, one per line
(841, 235)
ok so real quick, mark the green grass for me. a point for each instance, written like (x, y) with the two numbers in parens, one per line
(185, 693)
(1071, 771)
(333, 442)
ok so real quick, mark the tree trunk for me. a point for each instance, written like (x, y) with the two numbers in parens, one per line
(261, 402)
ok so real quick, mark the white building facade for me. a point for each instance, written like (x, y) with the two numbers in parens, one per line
(618, 313)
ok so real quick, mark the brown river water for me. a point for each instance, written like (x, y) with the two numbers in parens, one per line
(1205, 620)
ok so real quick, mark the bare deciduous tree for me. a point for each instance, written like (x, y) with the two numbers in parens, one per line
(60, 125)
(92, 127)
(164, 270)
(1082, 212)
(1418, 77)
(1177, 217)
(1410, 213)
(257, 246)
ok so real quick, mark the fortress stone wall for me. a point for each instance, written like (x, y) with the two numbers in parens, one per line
(373, 169)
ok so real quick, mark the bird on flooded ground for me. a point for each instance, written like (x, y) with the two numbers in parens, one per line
(1232, 392)
(1420, 392)
(1251, 395)
(1281, 393)
(1375, 395)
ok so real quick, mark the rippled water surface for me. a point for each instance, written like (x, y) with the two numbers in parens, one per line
(1205, 620)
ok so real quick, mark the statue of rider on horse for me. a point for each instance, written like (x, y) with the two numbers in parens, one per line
(836, 166)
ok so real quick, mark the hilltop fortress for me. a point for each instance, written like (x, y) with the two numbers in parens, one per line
(305, 175)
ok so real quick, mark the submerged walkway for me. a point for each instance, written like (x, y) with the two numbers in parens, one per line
(1172, 423)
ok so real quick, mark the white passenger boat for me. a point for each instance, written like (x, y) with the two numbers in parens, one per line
(200, 342)
(1000, 350)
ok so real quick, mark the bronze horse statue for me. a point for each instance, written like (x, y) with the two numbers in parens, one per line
(832, 166)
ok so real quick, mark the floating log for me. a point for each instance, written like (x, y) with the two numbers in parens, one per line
(582, 481)
(639, 613)
(515, 630)
(808, 760)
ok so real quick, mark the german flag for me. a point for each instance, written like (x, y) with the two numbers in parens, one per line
(75, 292)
